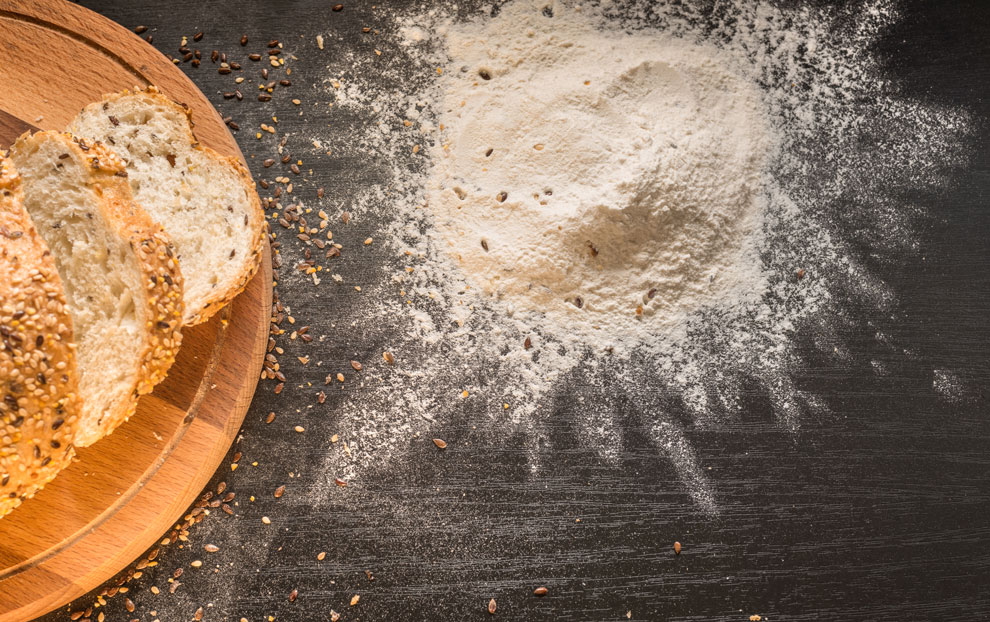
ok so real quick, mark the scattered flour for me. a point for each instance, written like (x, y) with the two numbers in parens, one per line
(734, 158)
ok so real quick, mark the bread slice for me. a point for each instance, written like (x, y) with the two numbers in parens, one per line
(40, 403)
(121, 279)
(206, 202)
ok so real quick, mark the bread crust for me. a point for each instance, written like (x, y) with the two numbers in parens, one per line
(156, 258)
(39, 408)
(256, 221)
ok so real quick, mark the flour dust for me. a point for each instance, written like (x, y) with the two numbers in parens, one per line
(647, 201)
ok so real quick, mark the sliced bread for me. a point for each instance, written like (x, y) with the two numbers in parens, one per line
(206, 202)
(118, 268)
(39, 403)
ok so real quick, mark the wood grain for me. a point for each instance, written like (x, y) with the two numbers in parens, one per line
(123, 492)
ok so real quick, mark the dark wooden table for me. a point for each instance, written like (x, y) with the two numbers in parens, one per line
(880, 511)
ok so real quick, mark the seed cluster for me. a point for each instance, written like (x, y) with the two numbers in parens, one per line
(39, 394)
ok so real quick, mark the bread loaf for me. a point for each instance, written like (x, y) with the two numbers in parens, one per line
(206, 202)
(39, 405)
(121, 278)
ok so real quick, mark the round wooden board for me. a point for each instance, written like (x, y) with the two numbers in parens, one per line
(127, 490)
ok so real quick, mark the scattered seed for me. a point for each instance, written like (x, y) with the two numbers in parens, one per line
(244, 40)
(139, 30)
(196, 563)
(266, 520)
(439, 442)
(279, 492)
(211, 548)
(357, 366)
(491, 606)
(338, 7)
(484, 245)
(198, 36)
(293, 595)
(677, 548)
(340, 482)
(800, 273)
(321, 555)
(540, 591)
(502, 196)
(299, 429)
(485, 74)
(578, 302)
(388, 357)
(528, 343)
(356, 597)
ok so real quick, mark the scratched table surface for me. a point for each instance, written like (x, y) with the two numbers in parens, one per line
(879, 512)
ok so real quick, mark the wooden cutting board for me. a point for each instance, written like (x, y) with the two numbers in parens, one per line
(124, 492)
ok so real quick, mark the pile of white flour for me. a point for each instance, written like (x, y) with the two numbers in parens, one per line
(609, 181)
(636, 215)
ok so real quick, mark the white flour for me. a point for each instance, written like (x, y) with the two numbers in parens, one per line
(729, 158)
(611, 181)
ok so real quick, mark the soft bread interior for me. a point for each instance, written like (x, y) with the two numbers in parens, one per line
(99, 271)
(201, 202)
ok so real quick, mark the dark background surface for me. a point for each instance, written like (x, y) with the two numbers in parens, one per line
(878, 512)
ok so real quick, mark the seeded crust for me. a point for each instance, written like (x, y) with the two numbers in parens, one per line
(249, 259)
(156, 257)
(40, 404)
